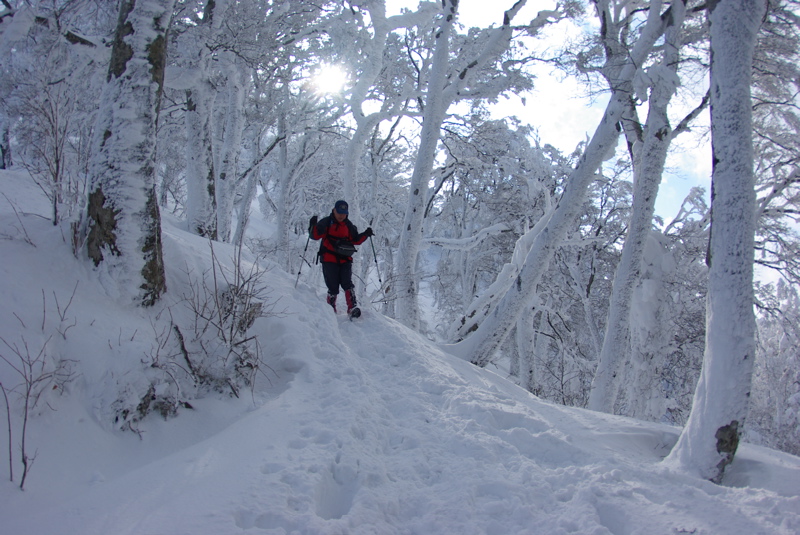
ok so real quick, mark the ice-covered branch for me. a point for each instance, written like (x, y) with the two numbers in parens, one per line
(465, 244)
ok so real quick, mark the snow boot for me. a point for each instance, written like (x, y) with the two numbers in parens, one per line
(352, 306)
(332, 301)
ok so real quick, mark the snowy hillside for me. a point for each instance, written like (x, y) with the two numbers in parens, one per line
(359, 427)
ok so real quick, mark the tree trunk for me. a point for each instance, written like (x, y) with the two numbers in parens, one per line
(407, 308)
(648, 168)
(286, 172)
(583, 288)
(124, 224)
(248, 195)
(442, 90)
(200, 196)
(479, 348)
(526, 337)
(234, 127)
(480, 307)
(252, 177)
(201, 204)
(709, 441)
(650, 341)
(369, 71)
(5, 143)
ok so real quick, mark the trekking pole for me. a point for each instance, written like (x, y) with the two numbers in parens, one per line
(375, 256)
(301, 263)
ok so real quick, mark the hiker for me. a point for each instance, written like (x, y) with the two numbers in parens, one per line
(339, 236)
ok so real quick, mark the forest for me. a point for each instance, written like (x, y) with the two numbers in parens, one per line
(547, 266)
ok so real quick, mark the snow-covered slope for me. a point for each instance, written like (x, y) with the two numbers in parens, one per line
(359, 427)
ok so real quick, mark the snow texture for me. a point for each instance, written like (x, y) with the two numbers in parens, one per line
(363, 427)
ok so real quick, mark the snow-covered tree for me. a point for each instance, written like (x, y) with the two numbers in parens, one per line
(124, 225)
(649, 153)
(435, 109)
(480, 347)
(493, 182)
(48, 93)
(370, 67)
(776, 135)
(573, 294)
(194, 46)
(516, 243)
(469, 78)
(711, 436)
(225, 185)
(774, 418)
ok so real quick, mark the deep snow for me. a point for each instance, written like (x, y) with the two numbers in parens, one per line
(360, 427)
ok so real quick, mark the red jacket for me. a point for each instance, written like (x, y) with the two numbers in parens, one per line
(331, 231)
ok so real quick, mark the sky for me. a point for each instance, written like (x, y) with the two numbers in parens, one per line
(356, 427)
(559, 108)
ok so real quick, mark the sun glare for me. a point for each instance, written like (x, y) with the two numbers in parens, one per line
(329, 79)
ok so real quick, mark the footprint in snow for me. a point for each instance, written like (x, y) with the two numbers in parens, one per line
(336, 490)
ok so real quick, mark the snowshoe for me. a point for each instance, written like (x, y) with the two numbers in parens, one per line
(354, 313)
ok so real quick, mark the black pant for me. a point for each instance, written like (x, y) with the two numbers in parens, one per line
(336, 275)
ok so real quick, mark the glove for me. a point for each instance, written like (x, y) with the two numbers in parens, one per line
(368, 233)
(311, 224)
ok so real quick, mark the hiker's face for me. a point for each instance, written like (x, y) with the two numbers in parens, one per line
(339, 217)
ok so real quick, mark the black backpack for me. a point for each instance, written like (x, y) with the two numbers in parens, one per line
(343, 247)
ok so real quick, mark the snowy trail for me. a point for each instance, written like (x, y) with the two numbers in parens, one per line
(375, 431)
(432, 445)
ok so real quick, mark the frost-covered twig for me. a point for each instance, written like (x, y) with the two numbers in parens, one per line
(62, 314)
(27, 238)
(35, 373)
(10, 446)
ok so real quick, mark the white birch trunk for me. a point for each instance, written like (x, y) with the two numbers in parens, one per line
(648, 168)
(124, 225)
(710, 438)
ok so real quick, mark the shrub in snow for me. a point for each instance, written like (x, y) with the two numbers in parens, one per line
(204, 345)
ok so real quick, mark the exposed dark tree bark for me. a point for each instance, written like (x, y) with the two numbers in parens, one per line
(124, 225)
